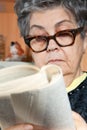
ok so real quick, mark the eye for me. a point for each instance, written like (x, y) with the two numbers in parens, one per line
(40, 39)
(64, 34)
(64, 37)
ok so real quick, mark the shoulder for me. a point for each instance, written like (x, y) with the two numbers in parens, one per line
(78, 99)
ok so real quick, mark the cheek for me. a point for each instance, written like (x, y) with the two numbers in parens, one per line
(39, 58)
(74, 54)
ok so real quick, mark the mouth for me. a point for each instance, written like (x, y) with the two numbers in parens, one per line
(55, 61)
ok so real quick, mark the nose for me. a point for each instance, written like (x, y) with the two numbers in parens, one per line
(52, 46)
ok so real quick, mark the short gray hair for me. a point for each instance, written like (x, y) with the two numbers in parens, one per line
(24, 9)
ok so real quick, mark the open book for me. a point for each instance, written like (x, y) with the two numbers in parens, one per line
(32, 95)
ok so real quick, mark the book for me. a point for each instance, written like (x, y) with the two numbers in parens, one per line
(37, 96)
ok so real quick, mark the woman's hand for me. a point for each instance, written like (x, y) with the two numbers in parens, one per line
(21, 127)
(26, 127)
(80, 124)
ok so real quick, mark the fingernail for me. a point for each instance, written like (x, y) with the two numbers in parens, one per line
(28, 127)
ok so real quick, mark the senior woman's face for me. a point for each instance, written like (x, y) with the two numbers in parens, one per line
(48, 23)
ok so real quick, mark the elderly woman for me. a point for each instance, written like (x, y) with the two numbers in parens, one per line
(54, 30)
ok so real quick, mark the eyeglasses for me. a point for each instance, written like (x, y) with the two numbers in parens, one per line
(62, 38)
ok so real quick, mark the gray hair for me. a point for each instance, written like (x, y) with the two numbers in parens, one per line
(24, 9)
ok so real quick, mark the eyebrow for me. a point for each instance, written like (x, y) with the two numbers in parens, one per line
(56, 25)
(63, 21)
(37, 26)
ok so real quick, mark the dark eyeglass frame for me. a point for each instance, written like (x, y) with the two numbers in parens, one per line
(72, 32)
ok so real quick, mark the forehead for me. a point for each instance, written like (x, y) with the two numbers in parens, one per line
(49, 18)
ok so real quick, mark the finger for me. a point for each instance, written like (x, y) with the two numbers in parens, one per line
(21, 127)
(79, 122)
(78, 117)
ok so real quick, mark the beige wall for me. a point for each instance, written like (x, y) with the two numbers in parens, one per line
(9, 29)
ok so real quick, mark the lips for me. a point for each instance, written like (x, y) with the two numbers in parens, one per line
(54, 61)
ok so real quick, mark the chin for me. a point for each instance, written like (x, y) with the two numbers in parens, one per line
(56, 63)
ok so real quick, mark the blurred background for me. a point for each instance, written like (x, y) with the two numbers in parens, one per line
(9, 31)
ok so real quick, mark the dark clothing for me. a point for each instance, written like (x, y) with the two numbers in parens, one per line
(78, 99)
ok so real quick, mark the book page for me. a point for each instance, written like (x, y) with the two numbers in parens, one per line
(47, 106)
(7, 115)
(5, 64)
(41, 100)
(17, 71)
